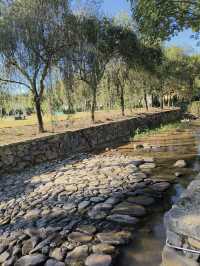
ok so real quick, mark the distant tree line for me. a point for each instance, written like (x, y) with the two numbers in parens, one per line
(81, 60)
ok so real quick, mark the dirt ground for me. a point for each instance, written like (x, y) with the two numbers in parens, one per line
(12, 131)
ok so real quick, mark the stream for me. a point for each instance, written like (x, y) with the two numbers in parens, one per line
(168, 147)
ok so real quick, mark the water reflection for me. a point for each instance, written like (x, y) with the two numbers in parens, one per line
(149, 240)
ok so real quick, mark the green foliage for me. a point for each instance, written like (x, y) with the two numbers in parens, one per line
(33, 38)
(145, 132)
(194, 108)
(81, 60)
(158, 20)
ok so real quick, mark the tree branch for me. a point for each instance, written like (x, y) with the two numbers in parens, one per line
(44, 74)
(15, 82)
(22, 71)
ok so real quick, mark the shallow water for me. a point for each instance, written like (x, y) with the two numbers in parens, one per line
(148, 242)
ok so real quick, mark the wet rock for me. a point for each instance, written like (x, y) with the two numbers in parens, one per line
(97, 215)
(126, 208)
(160, 187)
(69, 207)
(53, 262)
(79, 253)
(139, 176)
(87, 229)
(97, 199)
(141, 200)
(178, 174)
(138, 146)
(103, 249)
(3, 248)
(78, 237)
(31, 260)
(102, 207)
(112, 200)
(4, 221)
(137, 161)
(45, 250)
(180, 164)
(83, 205)
(41, 245)
(98, 260)
(28, 245)
(4, 256)
(148, 159)
(32, 232)
(11, 261)
(122, 219)
(16, 250)
(32, 214)
(58, 254)
(147, 166)
(115, 238)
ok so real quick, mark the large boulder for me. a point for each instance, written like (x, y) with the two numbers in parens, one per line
(172, 258)
(184, 217)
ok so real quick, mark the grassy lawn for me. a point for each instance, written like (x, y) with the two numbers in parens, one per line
(12, 130)
(171, 127)
(101, 116)
(32, 120)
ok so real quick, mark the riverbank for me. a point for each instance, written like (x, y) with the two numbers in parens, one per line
(18, 156)
(12, 131)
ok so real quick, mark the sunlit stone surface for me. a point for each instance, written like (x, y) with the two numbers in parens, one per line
(74, 211)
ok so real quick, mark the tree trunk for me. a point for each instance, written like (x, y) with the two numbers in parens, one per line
(94, 102)
(145, 101)
(161, 95)
(69, 92)
(70, 103)
(39, 114)
(161, 102)
(122, 102)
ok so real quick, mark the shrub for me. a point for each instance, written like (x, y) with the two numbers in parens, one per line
(194, 108)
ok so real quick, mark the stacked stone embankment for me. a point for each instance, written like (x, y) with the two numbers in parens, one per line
(17, 156)
(183, 229)
(75, 212)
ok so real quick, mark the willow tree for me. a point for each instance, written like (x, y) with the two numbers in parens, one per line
(32, 36)
(119, 72)
(183, 73)
(162, 19)
(94, 51)
(99, 41)
(149, 59)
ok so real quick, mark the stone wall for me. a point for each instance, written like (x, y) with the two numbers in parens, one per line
(183, 229)
(17, 156)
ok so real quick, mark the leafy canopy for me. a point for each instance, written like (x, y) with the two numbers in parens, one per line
(164, 18)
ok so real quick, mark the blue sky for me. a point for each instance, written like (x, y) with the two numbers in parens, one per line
(113, 7)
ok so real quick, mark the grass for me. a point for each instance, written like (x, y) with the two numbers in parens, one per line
(12, 130)
(145, 132)
(10, 122)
